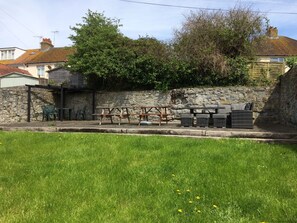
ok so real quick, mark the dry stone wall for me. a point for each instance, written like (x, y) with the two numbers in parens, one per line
(288, 98)
(265, 99)
(14, 101)
(277, 104)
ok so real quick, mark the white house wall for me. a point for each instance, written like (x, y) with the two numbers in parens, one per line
(18, 52)
(32, 69)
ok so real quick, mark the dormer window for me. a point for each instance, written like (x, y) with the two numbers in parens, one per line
(7, 54)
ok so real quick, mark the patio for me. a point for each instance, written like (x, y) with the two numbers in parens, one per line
(264, 132)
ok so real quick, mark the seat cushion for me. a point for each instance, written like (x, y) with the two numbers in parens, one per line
(226, 110)
(239, 106)
(219, 116)
(202, 115)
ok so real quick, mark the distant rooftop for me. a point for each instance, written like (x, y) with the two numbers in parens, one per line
(275, 45)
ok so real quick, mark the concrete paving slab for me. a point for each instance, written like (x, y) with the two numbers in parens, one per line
(269, 133)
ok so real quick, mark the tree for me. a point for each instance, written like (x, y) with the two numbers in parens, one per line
(102, 52)
(212, 41)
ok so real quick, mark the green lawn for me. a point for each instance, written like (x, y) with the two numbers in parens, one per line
(113, 178)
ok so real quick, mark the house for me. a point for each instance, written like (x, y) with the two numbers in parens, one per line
(61, 76)
(11, 77)
(38, 61)
(10, 53)
(272, 53)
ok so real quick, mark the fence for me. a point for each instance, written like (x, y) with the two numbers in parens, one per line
(269, 70)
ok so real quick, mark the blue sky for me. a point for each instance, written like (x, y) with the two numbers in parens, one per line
(22, 21)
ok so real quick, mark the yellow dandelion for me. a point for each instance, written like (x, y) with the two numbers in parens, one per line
(197, 197)
(180, 210)
(190, 202)
(188, 190)
(215, 206)
(197, 210)
(173, 175)
(177, 191)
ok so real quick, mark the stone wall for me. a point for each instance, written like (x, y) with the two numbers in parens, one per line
(288, 98)
(277, 103)
(265, 99)
(14, 100)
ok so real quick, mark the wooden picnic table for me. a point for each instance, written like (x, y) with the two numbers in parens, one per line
(161, 111)
(122, 112)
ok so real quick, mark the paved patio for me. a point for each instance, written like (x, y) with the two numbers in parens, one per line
(264, 132)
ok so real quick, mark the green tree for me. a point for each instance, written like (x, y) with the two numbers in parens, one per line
(102, 52)
(211, 42)
(291, 62)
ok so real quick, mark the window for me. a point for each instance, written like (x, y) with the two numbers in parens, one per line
(275, 59)
(3, 55)
(40, 71)
(7, 54)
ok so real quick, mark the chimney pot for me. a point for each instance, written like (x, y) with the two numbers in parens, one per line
(46, 44)
(272, 32)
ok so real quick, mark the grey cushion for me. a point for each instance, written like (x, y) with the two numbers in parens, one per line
(239, 106)
(219, 115)
(202, 115)
(186, 115)
(248, 106)
(225, 110)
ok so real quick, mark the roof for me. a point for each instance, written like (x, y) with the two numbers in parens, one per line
(10, 47)
(26, 57)
(280, 46)
(6, 70)
(35, 56)
(53, 55)
(6, 61)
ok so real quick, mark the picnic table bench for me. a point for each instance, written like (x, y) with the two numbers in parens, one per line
(110, 112)
(160, 111)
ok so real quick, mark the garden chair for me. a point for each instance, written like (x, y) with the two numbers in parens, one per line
(81, 113)
(49, 112)
(221, 118)
(242, 117)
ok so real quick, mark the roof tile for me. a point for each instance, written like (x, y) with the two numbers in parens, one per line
(5, 70)
(281, 46)
(53, 55)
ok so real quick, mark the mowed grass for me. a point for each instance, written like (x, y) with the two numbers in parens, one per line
(52, 177)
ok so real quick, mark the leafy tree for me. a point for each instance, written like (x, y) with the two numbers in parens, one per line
(291, 62)
(102, 52)
(209, 40)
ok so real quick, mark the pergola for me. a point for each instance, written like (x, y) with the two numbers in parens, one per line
(63, 92)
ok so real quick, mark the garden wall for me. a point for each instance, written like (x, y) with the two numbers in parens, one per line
(275, 104)
(14, 100)
(266, 99)
(288, 98)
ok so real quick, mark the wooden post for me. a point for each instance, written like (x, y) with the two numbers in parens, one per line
(61, 114)
(93, 103)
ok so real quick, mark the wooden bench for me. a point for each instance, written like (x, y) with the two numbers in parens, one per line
(110, 112)
(159, 111)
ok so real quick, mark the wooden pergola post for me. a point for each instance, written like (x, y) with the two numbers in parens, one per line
(93, 103)
(61, 114)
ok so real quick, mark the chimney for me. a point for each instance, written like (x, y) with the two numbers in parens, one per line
(272, 32)
(46, 44)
